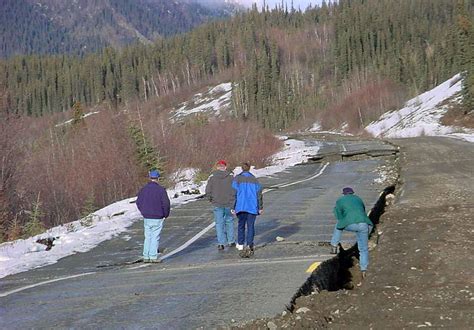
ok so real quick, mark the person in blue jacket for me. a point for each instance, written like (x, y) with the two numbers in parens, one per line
(154, 204)
(248, 204)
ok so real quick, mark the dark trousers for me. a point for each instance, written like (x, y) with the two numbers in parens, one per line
(246, 220)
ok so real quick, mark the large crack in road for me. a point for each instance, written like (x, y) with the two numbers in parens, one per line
(200, 286)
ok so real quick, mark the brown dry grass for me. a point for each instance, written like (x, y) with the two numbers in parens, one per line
(95, 161)
(199, 143)
(362, 104)
(458, 115)
(360, 100)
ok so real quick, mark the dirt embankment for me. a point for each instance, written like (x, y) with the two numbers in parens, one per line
(421, 272)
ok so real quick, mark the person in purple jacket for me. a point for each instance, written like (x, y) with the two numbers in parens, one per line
(154, 204)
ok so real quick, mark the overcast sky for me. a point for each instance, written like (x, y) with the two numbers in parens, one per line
(297, 3)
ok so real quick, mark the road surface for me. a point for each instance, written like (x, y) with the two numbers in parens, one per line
(421, 272)
(199, 286)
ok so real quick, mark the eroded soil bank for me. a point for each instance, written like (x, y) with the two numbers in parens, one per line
(421, 272)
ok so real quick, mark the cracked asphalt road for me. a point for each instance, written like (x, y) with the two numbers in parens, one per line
(421, 269)
(199, 286)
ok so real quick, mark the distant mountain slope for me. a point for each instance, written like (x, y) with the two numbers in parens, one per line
(79, 26)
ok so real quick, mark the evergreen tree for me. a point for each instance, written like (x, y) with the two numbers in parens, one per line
(147, 156)
(466, 55)
(89, 206)
(77, 114)
(87, 210)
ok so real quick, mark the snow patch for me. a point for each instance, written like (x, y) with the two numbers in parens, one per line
(186, 188)
(386, 175)
(83, 116)
(317, 128)
(78, 236)
(212, 102)
(422, 114)
(294, 152)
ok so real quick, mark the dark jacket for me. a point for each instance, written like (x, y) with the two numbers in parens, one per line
(153, 201)
(248, 193)
(219, 189)
(350, 209)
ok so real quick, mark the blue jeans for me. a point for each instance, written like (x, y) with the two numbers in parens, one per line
(246, 220)
(152, 237)
(224, 225)
(362, 231)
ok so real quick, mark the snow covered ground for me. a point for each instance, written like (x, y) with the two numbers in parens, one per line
(84, 234)
(84, 116)
(421, 115)
(213, 102)
(316, 128)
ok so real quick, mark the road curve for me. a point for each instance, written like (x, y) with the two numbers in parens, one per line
(199, 286)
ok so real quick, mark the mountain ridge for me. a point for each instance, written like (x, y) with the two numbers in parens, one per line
(80, 26)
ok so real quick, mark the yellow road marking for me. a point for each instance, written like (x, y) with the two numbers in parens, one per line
(313, 267)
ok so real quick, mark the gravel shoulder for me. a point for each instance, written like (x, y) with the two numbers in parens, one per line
(421, 272)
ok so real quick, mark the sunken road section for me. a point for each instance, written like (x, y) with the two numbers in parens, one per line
(334, 274)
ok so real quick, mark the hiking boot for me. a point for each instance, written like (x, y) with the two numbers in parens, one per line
(146, 260)
(333, 250)
(246, 253)
(155, 261)
(231, 244)
(220, 247)
(363, 273)
(239, 247)
(250, 250)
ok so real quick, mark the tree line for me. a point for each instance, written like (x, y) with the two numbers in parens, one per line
(280, 59)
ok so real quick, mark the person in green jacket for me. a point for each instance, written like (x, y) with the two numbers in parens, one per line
(351, 216)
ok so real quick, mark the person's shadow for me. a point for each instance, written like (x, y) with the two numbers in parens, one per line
(268, 230)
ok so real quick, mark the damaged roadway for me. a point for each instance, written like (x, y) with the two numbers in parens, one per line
(421, 272)
(200, 286)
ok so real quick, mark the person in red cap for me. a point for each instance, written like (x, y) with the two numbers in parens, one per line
(222, 197)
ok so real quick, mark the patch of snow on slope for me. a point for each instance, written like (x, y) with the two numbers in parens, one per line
(463, 136)
(294, 152)
(421, 115)
(316, 128)
(211, 102)
(83, 116)
(78, 236)
(83, 235)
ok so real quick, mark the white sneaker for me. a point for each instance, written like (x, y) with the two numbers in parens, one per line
(239, 247)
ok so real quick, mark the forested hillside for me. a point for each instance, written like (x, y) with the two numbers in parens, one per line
(285, 63)
(81, 26)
